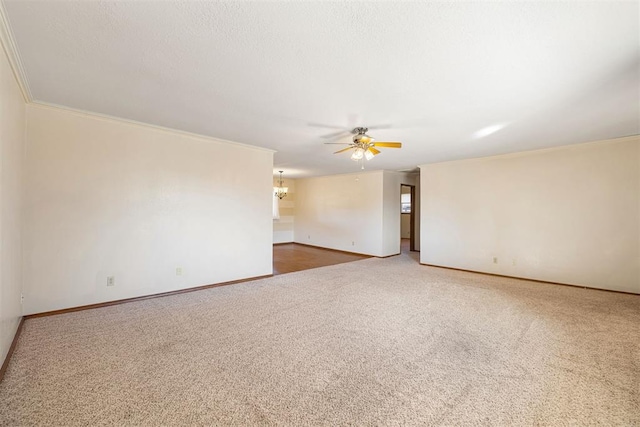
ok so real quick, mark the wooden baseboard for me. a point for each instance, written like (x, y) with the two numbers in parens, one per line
(5, 364)
(334, 250)
(389, 256)
(529, 280)
(127, 300)
(282, 243)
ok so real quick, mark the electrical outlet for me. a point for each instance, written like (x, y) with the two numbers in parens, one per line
(514, 262)
(309, 236)
(495, 259)
(178, 271)
(353, 243)
(111, 281)
(21, 298)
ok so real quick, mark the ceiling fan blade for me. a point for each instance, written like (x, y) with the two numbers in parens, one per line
(374, 151)
(322, 125)
(381, 126)
(365, 139)
(388, 144)
(343, 150)
(334, 135)
(338, 143)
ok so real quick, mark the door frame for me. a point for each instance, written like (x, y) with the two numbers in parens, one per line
(412, 216)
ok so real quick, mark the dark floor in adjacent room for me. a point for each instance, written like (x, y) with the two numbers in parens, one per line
(290, 257)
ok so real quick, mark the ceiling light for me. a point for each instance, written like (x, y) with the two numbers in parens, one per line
(357, 154)
(368, 155)
(280, 192)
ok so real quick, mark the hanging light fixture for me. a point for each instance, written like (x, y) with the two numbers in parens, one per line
(357, 154)
(280, 192)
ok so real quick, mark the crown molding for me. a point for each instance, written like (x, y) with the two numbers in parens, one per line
(9, 46)
(573, 146)
(106, 117)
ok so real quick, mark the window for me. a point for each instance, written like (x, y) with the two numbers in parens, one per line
(405, 203)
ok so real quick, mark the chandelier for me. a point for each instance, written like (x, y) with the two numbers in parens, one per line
(280, 192)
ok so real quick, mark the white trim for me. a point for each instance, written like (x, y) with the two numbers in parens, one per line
(107, 117)
(635, 137)
(9, 46)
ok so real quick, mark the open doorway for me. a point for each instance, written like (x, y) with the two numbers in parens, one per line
(407, 218)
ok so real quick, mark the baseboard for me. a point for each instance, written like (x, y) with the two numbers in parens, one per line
(337, 250)
(282, 243)
(5, 364)
(389, 256)
(529, 280)
(144, 297)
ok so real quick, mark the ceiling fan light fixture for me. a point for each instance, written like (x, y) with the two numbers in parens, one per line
(368, 155)
(357, 154)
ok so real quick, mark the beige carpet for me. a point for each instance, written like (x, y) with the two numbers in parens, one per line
(373, 342)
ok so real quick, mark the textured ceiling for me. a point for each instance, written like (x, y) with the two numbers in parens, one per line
(266, 73)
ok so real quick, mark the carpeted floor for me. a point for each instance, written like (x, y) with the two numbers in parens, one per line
(373, 342)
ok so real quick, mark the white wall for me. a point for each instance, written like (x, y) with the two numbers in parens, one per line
(405, 226)
(283, 227)
(12, 126)
(569, 215)
(342, 212)
(357, 212)
(110, 198)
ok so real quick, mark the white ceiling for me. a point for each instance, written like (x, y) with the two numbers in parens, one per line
(263, 73)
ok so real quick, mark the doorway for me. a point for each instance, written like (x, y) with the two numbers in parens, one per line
(407, 218)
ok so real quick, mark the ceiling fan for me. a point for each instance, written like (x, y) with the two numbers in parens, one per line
(364, 146)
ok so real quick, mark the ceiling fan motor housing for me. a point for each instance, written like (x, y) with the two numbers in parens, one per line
(360, 137)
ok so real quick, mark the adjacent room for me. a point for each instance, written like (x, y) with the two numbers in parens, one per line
(319, 213)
